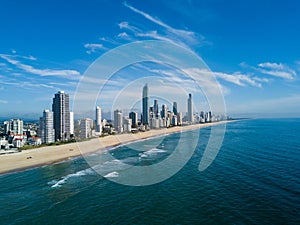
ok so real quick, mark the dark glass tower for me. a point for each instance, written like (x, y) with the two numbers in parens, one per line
(145, 102)
(155, 108)
(190, 109)
(61, 116)
(175, 108)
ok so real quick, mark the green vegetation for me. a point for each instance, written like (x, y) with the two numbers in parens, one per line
(27, 147)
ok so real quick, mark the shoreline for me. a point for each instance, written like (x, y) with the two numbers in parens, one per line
(33, 158)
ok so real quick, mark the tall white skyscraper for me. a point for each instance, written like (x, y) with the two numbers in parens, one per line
(190, 109)
(118, 121)
(46, 130)
(71, 123)
(98, 120)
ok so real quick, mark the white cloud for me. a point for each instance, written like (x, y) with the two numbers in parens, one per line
(179, 36)
(94, 47)
(125, 36)
(109, 40)
(70, 74)
(235, 78)
(3, 101)
(277, 70)
(123, 25)
(26, 84)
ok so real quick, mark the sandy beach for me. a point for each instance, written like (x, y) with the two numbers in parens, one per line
(51, 154)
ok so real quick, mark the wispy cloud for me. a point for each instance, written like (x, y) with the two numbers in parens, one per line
(92, 47)
(27, 84)
(180, 36)
(69, 74)
(3, 101)
(277, 70)
(236, 78)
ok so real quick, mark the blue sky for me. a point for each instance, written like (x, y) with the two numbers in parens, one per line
(252, 47)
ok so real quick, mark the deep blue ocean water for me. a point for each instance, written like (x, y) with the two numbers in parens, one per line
(255, 179)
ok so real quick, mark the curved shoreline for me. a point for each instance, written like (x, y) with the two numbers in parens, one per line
(28, 159)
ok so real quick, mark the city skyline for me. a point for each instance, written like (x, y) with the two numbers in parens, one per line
(259, 78)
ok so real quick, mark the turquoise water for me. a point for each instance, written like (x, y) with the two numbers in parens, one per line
(255, 179)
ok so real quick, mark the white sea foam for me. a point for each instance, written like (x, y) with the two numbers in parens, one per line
(112, 174)
(150, 152)
(59, 183)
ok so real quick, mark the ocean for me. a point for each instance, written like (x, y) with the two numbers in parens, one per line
(255, 179)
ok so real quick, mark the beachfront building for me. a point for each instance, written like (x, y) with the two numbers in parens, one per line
(190, 116)
(155, 109)
(175, 111)
(134, 118)
(179, 118)
(46, 130)
(145, 103)
(86, 128)
(154, 123)
(208, 117)
(61, 116)
(164, 110)
(98, 120)
(127, 123)
(14, 126)
(71, 123)
(118, 121)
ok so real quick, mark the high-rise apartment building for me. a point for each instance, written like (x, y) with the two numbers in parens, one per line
(190, 115)
(71, 123)
(14, 126)
(134, 118)
(175, 111)
(98, 120)
(164, 110)
(61, 116)
(155, 109)
(145, 102)
(46, 130)
(118, 121)
(86, 128)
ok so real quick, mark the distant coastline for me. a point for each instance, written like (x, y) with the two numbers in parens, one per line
(32, 158)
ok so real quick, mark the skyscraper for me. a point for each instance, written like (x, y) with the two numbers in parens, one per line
(71, 123)
(46, 131)
(61, 116)
(98, 120)
(145, 101)
(134, 118)
(190, 109)
(86, 128)
(118, 120)
(155, 108)
(175, 108)
(164, 110)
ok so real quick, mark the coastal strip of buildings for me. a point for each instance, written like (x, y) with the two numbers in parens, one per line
(58, 125)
